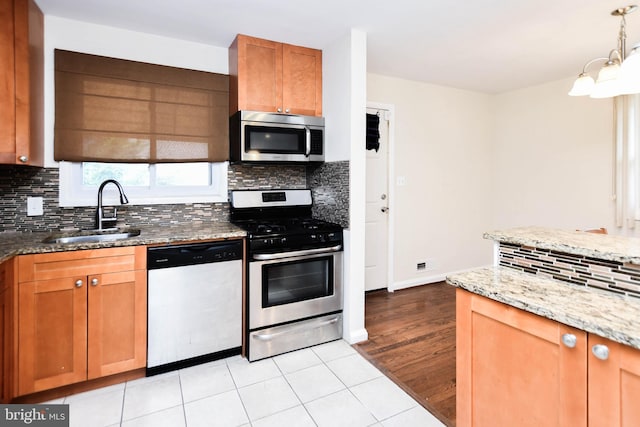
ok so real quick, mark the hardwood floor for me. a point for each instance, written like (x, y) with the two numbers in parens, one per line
(412, 339)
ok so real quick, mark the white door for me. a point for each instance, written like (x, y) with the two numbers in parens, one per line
(377, 207)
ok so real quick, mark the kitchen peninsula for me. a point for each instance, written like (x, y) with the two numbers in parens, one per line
(550, 335)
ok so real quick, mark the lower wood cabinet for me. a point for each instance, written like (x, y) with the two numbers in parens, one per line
(515, 368)
(81, 315)
(614, 384)
(6, 335)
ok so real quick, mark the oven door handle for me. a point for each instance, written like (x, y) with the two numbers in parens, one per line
(280, 255)
(269, 337)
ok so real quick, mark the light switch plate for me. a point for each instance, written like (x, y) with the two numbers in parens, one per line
(34, 206)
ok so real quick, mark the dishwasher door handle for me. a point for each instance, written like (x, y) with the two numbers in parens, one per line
(280, 255)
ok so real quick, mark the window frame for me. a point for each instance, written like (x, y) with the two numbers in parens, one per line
(73, 194)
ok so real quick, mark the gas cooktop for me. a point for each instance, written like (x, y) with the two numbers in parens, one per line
(280, 220)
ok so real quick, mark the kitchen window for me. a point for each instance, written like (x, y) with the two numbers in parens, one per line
(162, 132)
(627, 160)
(144, 184)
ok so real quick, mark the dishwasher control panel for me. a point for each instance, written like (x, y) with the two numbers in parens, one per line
(193, 254)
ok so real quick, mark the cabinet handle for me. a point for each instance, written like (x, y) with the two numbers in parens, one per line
(569, 340)
(78, 283)
(94, 282)
(600, 351)
(23, 159)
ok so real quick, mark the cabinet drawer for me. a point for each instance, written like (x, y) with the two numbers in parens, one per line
(80, 263)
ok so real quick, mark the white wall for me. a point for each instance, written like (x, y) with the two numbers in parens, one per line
(475, 162)
(443, 151)
(344, 106)
(552, 157)
(117, 43)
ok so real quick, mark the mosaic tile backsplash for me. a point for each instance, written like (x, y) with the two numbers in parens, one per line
(612, 276)
(329, 183)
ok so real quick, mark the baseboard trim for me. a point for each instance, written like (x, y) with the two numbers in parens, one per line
(356, 336)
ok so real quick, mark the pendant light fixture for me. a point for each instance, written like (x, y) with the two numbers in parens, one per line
(619, 74)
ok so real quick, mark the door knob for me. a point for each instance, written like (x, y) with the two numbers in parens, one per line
(600, 351)
(569, 340)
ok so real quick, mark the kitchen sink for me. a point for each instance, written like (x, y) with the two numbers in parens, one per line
(92, 236)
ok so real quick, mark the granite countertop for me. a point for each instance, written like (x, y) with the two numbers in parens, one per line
(12, 244)
(611, 316)
(601, 246)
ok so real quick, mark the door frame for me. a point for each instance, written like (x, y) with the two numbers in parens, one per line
(390, 116)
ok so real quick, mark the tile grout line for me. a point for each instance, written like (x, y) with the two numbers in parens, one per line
(235, 384)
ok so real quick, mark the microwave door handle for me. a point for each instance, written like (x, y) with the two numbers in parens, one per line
(307, 132)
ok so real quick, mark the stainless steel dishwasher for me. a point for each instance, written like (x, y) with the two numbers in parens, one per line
(194, 304)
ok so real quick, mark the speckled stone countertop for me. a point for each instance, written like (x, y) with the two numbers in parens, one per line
(602, 246)
(12, 244)
(611, 316)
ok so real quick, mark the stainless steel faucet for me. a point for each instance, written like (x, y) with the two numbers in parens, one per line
(100, 218)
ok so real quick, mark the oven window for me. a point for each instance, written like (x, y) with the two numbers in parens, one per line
(289, 282)
(274, 140)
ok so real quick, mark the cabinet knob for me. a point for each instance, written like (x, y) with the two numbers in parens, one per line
(384, 209)
(286, 111)
(600, 351)
(78, 283)
(279, 110)
(23, 159)
(569, 340)
(94, 282)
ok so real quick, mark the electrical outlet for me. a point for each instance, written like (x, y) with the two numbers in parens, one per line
(424, 265)
(35, 206)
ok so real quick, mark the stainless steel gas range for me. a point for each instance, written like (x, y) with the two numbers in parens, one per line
(293, 297)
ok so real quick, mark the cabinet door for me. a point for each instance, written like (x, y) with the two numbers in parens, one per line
(117, 322)
(52, 333)
(21, 83)
(614, 384)
(7, 84)
(6, 313)
(514, 370)
(259, 74)
(302, 80)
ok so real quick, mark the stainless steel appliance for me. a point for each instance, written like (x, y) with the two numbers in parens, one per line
(294, 292)
(194, 304)
(269, 137)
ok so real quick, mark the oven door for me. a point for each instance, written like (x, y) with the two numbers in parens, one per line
(286, 288)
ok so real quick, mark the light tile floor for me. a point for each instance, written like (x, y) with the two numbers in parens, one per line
(328, 385)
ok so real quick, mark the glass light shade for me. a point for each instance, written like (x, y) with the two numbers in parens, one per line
(608, 84)
(630, 73)
(582, 86)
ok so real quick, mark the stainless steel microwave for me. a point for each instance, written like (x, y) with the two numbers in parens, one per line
(269, 137)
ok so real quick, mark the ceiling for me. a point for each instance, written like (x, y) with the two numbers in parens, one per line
(489, 46)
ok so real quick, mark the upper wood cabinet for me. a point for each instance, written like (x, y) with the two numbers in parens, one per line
(81, 315)
(274, 77)
(515, 368)
(21, 83)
